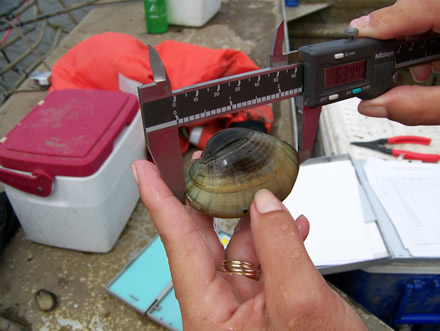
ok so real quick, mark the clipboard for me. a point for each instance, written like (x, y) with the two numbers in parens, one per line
(376, 216)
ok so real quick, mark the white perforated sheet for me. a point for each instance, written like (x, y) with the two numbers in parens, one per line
(340, 124)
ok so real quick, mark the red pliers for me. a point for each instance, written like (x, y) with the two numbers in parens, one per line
(378, 145)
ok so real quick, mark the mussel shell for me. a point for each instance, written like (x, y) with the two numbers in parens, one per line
(45, 300)
(235, 164)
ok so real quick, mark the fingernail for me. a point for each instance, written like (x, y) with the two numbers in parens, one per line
(298, 225)
(266, 202)
(361, 21)
(135, 176)
(418, 74)
(374, 111)
(196, 155)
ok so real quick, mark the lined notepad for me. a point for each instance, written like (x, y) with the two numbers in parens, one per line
(410, 194)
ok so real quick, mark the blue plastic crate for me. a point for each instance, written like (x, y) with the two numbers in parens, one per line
(395, 298)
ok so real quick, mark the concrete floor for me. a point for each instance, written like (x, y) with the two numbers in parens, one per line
(79, 279)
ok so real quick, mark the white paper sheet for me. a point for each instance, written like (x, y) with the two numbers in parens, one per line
(410, 194)
(328, 195)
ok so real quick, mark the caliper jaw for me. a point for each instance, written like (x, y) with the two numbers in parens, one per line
(307, 118)
(163, 144)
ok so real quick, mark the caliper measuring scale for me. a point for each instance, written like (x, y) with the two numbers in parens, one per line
(315, 75)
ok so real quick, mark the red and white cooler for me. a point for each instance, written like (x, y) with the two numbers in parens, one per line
(66, 168)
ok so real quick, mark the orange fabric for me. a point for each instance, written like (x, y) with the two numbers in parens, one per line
(96, 62)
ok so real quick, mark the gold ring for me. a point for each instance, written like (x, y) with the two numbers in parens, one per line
(241, 268)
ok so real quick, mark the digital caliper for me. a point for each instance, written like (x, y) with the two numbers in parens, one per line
(317, 75)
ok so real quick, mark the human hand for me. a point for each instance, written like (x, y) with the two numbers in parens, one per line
(410, 105)
(290, 294)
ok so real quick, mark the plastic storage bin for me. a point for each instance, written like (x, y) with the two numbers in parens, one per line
(395, 295)
(191, 12)
(66, 168)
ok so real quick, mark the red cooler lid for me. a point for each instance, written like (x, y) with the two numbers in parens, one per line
(69, 133)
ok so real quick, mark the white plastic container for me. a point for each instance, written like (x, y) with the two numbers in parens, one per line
(86, 213)
(194, 13)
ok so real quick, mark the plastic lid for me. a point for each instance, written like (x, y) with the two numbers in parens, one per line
(70, 133)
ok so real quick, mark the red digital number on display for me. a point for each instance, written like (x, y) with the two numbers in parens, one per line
(344, 74)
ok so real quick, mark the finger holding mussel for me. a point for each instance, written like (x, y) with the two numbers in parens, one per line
(235, 164)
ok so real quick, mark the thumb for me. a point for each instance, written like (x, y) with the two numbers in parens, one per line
(409, 105)
(287, 268)
(296, 295)
(404, 18)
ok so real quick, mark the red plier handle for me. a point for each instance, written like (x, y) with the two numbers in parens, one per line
(409, 140)
(378, 145)
(413, 155)
(416, 156)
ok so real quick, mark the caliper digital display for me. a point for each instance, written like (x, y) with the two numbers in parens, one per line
(341, 69)
(345, 74)
(359, 67)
